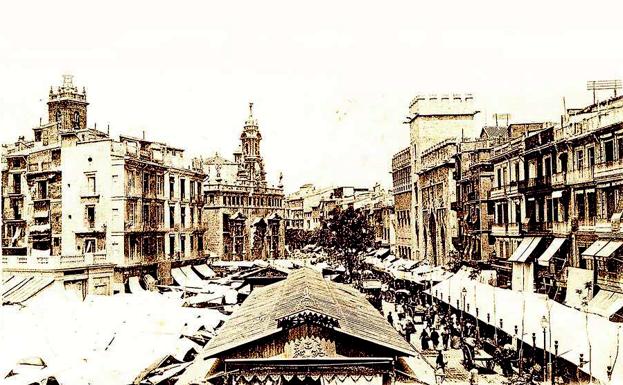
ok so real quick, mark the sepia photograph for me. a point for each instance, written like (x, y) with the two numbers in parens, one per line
(311, 193)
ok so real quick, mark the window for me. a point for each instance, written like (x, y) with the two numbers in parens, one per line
(563, 162)
(58, 116)
(91, 187)
(145, 183)
(182, 188)
(76, 122)
(609, 150)
(171, 187)
(131, 212)
(192, 216)
(89, 245)
(590, 153)
(183, 214)
(171, 245)
(499, 177)
(182, 244)
(42, 189)
(146, 218)
(171, 216)
(579, 199)
(90, 213)
(620, 147)
(200, 243)
(579, 159)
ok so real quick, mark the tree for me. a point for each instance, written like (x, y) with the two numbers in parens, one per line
(348, 233)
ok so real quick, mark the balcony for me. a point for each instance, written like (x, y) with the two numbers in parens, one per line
(505, 229)
(559, 179)
(541, 182)
(539, 227)
(582, 175)
(561, 228)
(52, 262)
(610, 280)
(502, 191)
(607, 170)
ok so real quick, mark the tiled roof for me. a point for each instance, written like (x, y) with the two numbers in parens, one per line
(495, 132)
(305, 291)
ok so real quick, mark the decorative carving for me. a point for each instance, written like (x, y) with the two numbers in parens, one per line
(308, 347)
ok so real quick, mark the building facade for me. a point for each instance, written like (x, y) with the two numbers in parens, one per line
(75, 198)
(403, 192)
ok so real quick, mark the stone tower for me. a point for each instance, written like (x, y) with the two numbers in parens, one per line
(67, 107)
(250, 140)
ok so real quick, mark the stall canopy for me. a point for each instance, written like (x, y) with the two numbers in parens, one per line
(205, 271)
(550, 251)
(526, 310)
(525, 249)
(606, 303)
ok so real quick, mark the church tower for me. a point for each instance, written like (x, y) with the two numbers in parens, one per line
(67, 107)
(250, 140)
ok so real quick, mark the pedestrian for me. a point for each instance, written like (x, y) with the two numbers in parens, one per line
(390, 319)
(441, 362)
(445, 337)
(434, 337)
(424, 337)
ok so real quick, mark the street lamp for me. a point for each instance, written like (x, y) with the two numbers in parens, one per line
(463, 293)
(544, 324)
(554, 362)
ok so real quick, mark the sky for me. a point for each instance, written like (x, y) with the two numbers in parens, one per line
(331, 81)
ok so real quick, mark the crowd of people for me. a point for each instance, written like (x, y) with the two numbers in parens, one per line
(442, 328)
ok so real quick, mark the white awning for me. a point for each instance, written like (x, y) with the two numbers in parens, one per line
(190, 273)
(525, 249)
(594, 248)
(205, 271)
(521, 248)
(135, 286)
(550, 251)
(605, 303)
(179, 277)
(557, 194)
(609, 249)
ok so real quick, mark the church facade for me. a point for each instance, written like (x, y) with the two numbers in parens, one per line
(244, 215)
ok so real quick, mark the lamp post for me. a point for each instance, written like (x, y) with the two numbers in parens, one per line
(544, 324)
(463, 293)
(554, 362)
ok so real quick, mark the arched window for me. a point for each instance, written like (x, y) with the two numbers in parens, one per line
(76, 119)
(58, 116)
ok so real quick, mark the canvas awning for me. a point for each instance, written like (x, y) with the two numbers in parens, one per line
(550, 251)
(135, 286)
(606, 303)
(190, 273)
(525, 249)
(594, 248)
(382, 252)
(205, 271)
(609, 249)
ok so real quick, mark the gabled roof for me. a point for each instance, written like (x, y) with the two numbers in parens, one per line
(494, 132)
(305, 293)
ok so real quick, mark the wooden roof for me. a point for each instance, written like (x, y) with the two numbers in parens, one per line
(305, 294)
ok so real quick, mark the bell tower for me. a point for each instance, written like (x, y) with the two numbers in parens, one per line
(250, 140)
(67, 107)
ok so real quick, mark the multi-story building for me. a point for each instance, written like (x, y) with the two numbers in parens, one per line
(403, 191)
(74, 199)
(474, 174)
